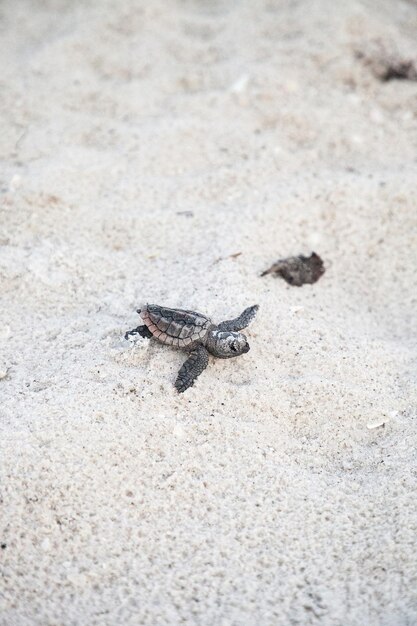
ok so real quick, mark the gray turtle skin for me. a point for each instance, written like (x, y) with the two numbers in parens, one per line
(195, 333)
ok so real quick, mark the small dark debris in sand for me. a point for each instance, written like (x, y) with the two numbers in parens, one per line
(186, 213)
(399, 70)
(230, 256)
(387, 66)
(298, 270)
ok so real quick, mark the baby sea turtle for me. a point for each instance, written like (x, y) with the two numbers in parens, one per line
(195, 333)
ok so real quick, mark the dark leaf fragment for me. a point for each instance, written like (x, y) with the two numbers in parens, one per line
(298, 270)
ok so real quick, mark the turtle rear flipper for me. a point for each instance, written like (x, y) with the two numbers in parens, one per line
(240, 322)
(192, 368)
(143, 331)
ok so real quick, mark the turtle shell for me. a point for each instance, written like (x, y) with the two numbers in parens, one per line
(175, 327)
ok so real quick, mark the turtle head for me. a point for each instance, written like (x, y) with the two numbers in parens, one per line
(226, 344)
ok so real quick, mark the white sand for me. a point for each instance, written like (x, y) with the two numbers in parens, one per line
(270, 493)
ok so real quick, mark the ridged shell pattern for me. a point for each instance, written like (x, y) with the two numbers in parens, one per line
(175, 327)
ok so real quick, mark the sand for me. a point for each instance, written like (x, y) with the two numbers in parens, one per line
(142, 145)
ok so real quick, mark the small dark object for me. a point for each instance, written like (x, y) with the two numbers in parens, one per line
(387, 64)
(195, 333)
(399, 70)
(298, 270)
(231, 256)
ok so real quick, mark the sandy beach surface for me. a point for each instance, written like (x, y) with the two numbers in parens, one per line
(169, 152)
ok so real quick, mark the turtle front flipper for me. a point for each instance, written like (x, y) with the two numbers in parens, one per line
(240, 322)
(192, 368)
(143, 331)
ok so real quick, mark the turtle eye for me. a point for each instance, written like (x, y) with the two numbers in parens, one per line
(233, 347)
